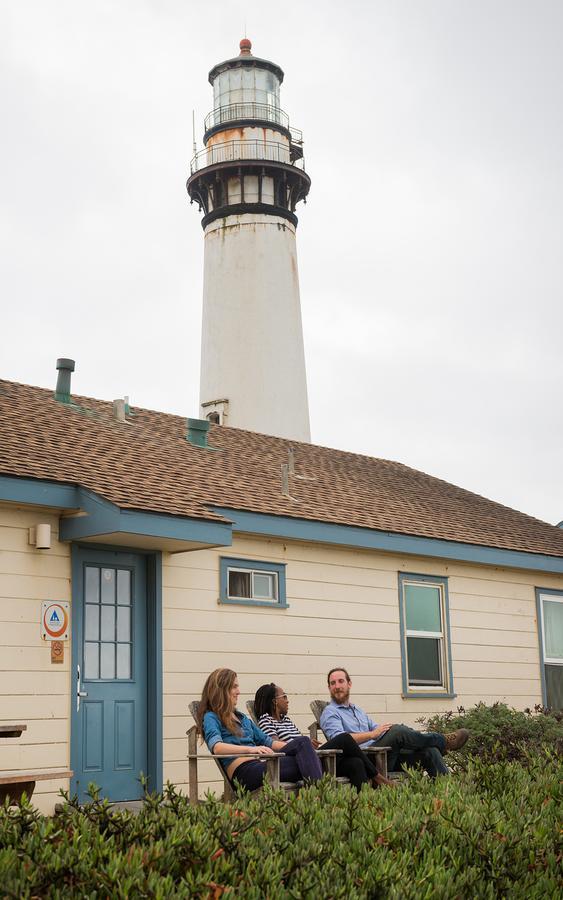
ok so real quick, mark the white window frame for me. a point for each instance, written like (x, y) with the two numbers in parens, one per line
(253, 568)
(413, 688)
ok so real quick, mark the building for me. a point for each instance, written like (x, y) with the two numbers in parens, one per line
(181, 547)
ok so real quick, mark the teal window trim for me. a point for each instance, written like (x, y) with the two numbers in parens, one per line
(228, 563)
(541, 643)
(446, 690)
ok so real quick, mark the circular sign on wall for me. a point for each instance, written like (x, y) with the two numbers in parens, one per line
(54, 620)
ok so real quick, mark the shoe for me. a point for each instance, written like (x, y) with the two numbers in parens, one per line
(379, 780)
(456, 739)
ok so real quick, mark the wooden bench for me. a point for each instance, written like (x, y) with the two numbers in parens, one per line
(9, 731)
(379, 754)
(14, 784)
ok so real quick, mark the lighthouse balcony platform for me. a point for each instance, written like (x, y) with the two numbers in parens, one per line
(251, 115)
(235, 151)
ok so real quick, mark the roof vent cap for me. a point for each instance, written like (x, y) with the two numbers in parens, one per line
(197, 432)
(62, 390)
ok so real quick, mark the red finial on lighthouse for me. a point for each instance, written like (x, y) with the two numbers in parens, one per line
(245, 47)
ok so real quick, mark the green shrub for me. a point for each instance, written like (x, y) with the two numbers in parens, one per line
(499, 732)
(492, 831)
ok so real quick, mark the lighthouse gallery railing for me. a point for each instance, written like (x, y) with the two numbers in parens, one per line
(231, 151)
(263, 112)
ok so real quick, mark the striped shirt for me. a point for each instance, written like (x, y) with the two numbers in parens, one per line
(282, 729)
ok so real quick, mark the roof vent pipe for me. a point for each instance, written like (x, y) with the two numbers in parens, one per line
(62, 390)
(197, 432)
(119, 410)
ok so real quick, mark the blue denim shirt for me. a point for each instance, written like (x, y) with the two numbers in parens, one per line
(251, 736)
(336, 718)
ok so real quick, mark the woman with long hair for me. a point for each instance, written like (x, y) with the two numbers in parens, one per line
(226, 730)
(271, 706)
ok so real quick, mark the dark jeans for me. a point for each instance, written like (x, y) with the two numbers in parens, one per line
(410, 747)
(352, 763)
(300, 763)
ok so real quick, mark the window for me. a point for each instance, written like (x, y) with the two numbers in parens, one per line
(550, 618)
(425, 639)
(251, 583)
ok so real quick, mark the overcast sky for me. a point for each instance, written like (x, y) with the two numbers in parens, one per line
(430, 250)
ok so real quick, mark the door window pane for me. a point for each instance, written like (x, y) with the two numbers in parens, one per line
(553, 628)
(124, 586)
(108, 623)
(92, 585)
(91, 661)
(107, 660)
(422, 608)
(123, 623)
(108, 586)
(424, 660)
(123, 661)
(92, 622)
(264, 586)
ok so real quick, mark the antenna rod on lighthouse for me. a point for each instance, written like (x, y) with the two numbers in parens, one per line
(193, 130)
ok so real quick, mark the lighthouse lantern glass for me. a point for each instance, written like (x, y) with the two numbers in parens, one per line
(246, 85)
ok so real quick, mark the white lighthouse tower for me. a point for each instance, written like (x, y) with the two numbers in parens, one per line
(247, 181)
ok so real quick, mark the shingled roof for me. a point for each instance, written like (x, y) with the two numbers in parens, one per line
(147, 464)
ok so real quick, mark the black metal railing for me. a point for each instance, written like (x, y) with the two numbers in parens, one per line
(236, 111)
(232, 151)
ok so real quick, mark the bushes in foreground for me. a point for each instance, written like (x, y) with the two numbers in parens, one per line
(493, 831)
(499, 732)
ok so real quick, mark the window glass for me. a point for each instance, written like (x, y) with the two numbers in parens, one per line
(422, 608)
(553, 628)
(92, 585)
(91, 661)
(240, 584)
(124, 586)
(108, 586)
(108, 623)
(92, 622)
(123, 661)
(123, 623)
(107, 660)
(424, 660)
(264, 586)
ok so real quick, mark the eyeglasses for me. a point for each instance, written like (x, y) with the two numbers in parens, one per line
(281, 697)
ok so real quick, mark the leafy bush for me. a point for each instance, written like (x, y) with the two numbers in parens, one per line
(493, 831)
(499, 732)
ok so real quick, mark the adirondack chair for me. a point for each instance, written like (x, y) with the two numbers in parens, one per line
(272, 766)
(327, 757)
(379, 753)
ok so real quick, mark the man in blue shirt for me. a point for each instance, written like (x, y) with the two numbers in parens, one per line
(407, 745)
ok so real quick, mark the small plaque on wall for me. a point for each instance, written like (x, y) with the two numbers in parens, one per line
(55, 618)
(57, 652)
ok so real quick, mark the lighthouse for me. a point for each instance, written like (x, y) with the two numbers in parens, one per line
(247, 182)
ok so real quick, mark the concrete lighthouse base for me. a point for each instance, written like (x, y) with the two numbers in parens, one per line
(252, 340)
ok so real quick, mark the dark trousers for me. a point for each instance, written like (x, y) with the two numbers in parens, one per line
(352, 763)
(299, 763)
(410, 747)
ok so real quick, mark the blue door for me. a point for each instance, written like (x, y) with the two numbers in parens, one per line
(109, 697)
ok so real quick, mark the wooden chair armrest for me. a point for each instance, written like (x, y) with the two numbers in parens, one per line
(334, 752)
(237, 755)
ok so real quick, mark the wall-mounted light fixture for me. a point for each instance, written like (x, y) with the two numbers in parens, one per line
(40, 536)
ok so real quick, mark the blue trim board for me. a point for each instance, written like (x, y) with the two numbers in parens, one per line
(37, 492)
(227, 562)
(409, 692)
(369, 539)
(539, 615)
(103, 517)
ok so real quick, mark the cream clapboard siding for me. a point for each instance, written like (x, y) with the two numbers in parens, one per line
(32, 689)
(343, 610)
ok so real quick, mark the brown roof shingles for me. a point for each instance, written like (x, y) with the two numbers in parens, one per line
(148, 464)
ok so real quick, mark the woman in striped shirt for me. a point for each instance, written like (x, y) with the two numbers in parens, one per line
(271, 706)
